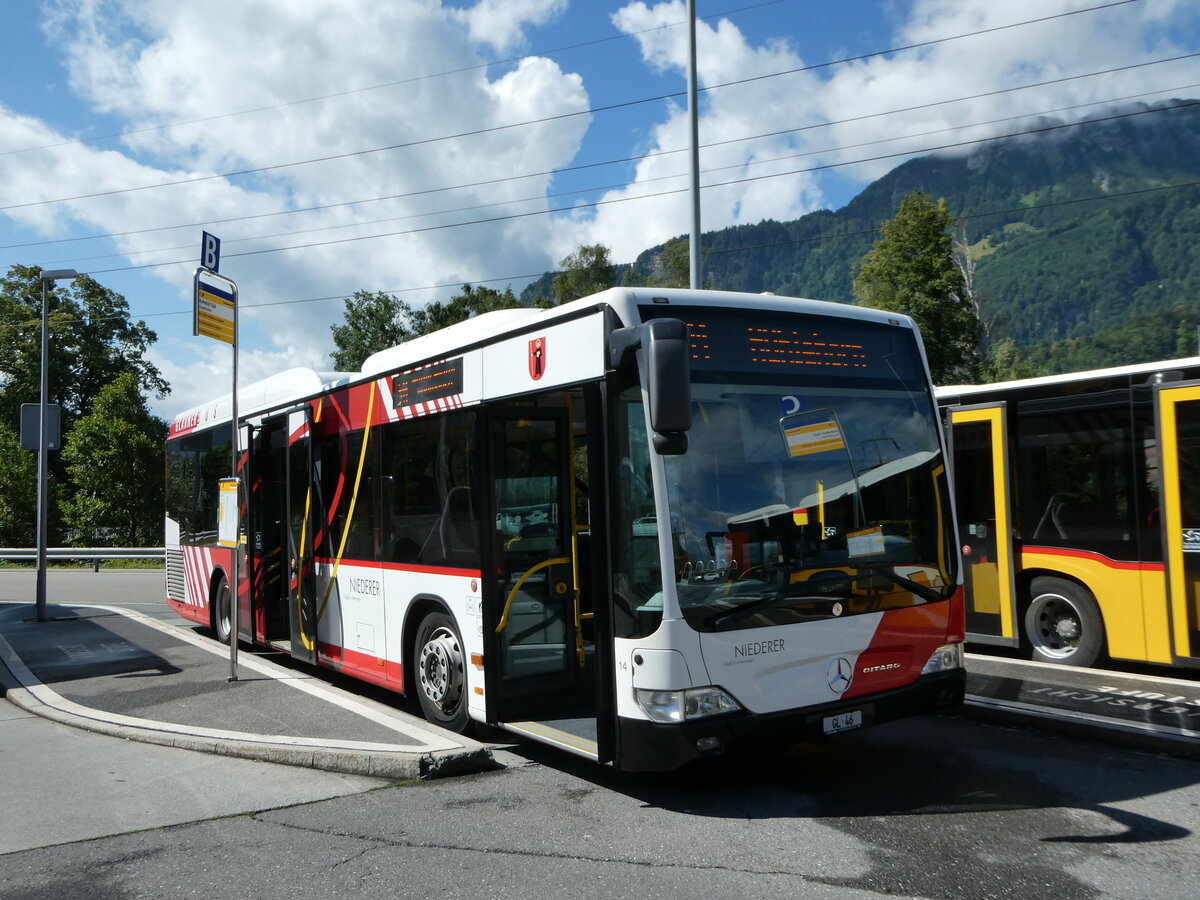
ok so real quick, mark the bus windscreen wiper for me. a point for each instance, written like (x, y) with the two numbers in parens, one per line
(826, 596)
(926, 592)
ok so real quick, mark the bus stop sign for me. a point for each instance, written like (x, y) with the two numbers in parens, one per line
(210, 252)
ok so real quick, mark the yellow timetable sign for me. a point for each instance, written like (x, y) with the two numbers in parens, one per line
(813, 437)
(216, 310)
(227, 513)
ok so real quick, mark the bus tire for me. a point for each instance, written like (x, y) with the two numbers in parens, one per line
(1063, 623)
(222, 610)
(441, 680)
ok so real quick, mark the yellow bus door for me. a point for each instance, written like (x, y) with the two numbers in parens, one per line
(1179, 427)
(979, 448)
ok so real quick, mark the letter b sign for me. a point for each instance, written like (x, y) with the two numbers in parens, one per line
(210, 251)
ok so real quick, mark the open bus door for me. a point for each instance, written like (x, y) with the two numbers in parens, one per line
(979, 442)
(540, 674)
(283, 507)
(282, 474)
(1179, 431)
(268, 521)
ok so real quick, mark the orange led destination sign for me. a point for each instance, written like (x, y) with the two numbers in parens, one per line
(429, 383)
(771, 343)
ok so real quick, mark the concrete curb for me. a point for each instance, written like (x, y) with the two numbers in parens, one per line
(1128, 737)
(35, 698)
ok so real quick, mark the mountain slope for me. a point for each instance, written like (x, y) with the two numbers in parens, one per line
(1075, 231)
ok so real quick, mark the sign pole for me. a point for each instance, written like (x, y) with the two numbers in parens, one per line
(236, 553)
(215, 315)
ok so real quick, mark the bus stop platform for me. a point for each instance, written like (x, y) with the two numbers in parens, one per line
(1156, 712)
(125, 674)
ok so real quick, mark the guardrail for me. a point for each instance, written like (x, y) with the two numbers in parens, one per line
(95, 554)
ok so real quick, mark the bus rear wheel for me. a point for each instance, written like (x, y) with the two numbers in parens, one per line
(441, 682)
(222, 611)
(1063, 623)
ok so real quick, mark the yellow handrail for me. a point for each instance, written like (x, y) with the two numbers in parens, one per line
(557, 561)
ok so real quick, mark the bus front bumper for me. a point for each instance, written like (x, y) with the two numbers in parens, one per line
(645, 746)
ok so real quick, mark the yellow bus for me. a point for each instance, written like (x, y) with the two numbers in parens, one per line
(1078, 506)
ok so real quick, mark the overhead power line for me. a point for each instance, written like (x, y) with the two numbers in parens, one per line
(598, 203)
(547, 119)
(758, 161)
(581, 167)
(1107, 196)
(388, 84)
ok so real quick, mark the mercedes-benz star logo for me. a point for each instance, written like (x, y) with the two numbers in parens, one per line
(839, 675)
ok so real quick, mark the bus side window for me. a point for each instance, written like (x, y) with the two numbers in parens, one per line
(452, 540)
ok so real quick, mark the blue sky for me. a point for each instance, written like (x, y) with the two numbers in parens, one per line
(102, 102)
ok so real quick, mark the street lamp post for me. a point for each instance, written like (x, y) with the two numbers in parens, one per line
(49, 276)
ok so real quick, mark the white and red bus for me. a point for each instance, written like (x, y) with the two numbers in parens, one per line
(642, 526)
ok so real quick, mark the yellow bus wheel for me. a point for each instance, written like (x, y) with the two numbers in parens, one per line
(1063, 623)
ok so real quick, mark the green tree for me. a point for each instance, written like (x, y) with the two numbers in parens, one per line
(471, 302)
(18, 491)
(587, 271)
(92, 341)
(377, 321)
(114, 457)
(1005, 362)
(672, 268)
(911, 270)
(374, 322)
(676, 262)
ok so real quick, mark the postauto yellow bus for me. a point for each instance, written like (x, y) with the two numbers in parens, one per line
(1078, 505)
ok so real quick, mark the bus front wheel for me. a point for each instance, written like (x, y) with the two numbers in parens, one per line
(440, 676)
(222, 611)
(1063, 623)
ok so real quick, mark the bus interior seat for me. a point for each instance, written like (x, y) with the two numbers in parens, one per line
(406, 550)
(1052, 518)
(452, 540)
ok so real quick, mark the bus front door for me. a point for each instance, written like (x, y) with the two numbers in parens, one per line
(981, 492)
(1179, 430)
(531, 626)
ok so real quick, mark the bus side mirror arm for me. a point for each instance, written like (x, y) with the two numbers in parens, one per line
(668, 375)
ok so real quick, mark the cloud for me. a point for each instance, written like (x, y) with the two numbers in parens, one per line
(153, 63)
(502, 23)
(170, 74)
(730, 192)
(836, 115)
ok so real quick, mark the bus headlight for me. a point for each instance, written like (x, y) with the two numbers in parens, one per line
(677, 706)
(945, 658)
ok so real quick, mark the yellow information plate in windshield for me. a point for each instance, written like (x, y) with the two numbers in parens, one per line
(813, 437)
(868, 542)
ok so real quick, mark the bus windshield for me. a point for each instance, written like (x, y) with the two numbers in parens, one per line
(808, 491)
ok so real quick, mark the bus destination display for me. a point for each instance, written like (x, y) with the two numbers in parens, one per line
(736, 341)
(429, 383)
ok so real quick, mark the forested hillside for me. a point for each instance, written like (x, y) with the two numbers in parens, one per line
(1083, 235)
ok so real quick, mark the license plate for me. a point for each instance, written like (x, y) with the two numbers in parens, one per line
(843, 721)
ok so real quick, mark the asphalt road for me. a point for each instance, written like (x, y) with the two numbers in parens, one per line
(932, 807)
(938, 807)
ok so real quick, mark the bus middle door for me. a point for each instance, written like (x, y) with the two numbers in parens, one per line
(1179, 430)
(531, 630)
(302, 505)
(979, 445)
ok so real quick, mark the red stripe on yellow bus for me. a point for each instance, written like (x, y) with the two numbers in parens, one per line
(1094, 557)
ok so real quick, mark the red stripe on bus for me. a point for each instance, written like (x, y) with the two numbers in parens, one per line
(191, 575)
(366, 666)
(403, 567)
(900, 647)
(1096, 557)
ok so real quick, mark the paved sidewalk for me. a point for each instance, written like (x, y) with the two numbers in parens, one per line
(1158, 711)
(126, 674)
